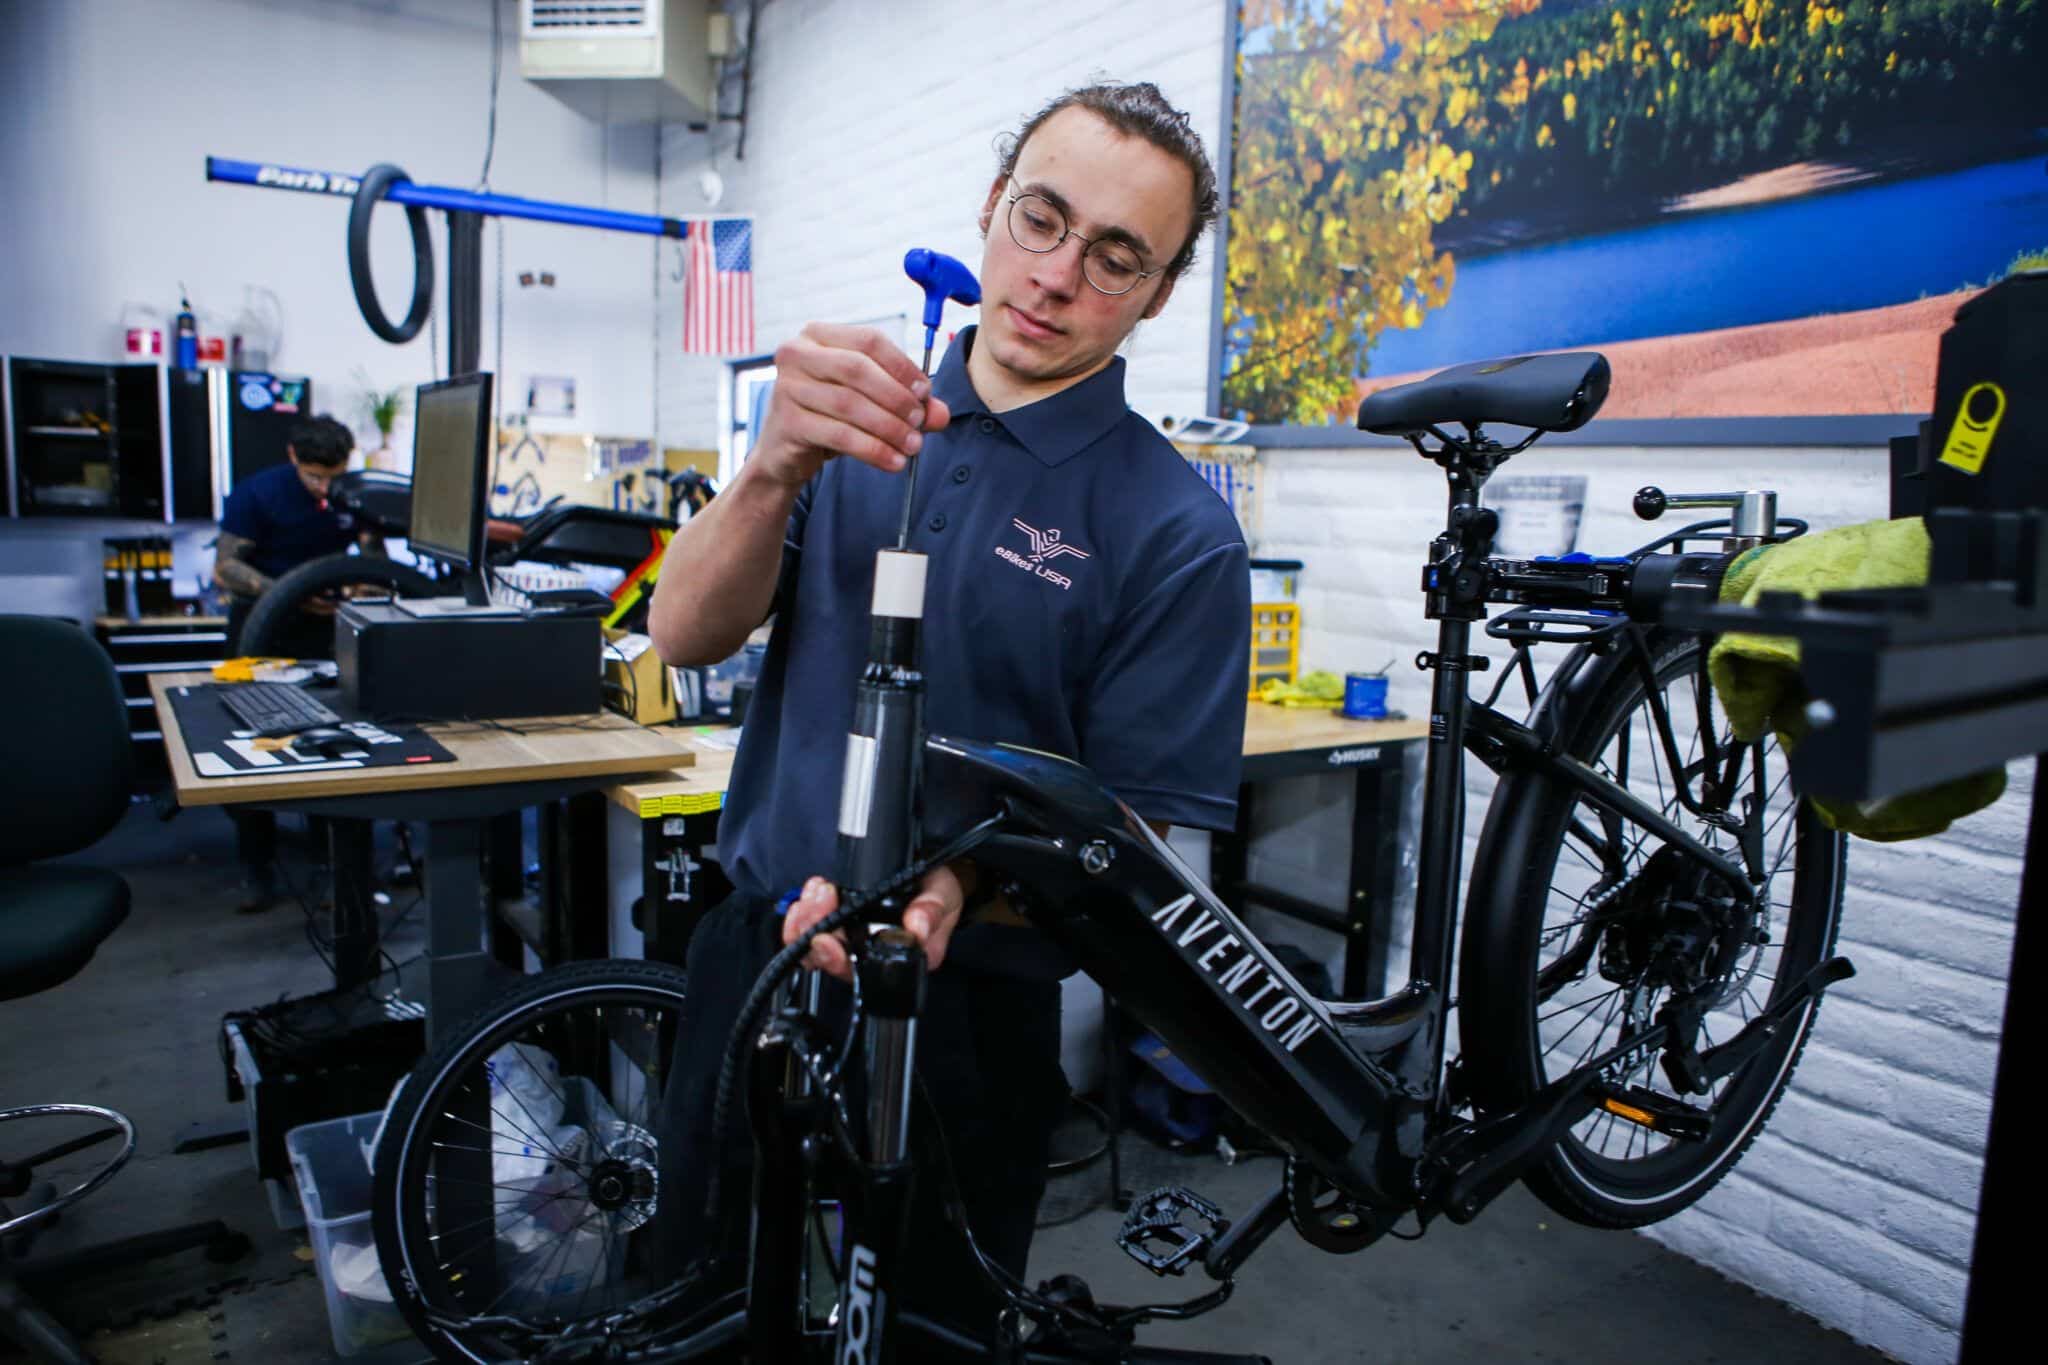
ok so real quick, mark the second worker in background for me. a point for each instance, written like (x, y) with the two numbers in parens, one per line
(273, 522)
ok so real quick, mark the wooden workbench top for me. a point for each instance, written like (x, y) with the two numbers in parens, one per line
(157, 619)
(1267, 730)
(1281, 729)
(684, 790)
(530, 749)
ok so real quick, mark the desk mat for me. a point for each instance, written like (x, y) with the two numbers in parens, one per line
(220, 748)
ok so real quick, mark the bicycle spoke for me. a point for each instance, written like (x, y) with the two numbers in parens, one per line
(494, 1151)
(1600, 868)
(530, 1118)
(1577, 1005)
(561, 1097)
(472, 1123)
(604, 1253)
(1598, 1034)
(516, 1205)
(1550, 935)
(535, 1264)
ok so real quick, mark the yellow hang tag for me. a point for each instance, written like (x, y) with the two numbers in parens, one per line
(1977, 419)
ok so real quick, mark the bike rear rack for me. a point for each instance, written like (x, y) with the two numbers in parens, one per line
(1530, 625)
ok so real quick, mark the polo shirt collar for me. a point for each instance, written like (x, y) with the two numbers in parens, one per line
(1054, 429)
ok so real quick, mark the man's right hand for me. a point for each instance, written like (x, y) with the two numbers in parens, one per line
(843, 390)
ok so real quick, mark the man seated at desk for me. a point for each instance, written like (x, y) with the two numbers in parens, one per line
(273, 522)
(278, 520)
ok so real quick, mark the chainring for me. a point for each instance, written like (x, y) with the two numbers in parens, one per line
(1326, 1217)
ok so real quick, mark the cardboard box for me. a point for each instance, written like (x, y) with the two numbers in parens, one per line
(631, 665)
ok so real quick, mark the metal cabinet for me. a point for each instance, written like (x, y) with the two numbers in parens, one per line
(157, 644)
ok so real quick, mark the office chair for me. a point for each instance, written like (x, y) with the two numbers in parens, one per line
(66, 757)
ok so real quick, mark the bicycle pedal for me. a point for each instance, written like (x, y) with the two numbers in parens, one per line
(1155, 1222)
(1658, 1113)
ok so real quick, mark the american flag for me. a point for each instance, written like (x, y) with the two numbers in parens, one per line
(718, 287)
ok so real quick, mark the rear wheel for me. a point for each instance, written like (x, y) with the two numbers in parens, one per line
(518, 1177)
(1583, 925)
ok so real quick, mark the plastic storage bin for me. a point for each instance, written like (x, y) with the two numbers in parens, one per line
(284, 1210)
(334, 1190)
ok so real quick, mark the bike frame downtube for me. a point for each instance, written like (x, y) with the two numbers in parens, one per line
(1103, 887)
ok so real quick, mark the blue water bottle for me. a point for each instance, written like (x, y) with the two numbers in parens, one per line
(186, 354)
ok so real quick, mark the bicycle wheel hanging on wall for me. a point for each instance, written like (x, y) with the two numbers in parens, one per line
(519, 1177)
(1593, 922)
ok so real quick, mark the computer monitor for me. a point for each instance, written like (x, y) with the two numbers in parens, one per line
(451, 461)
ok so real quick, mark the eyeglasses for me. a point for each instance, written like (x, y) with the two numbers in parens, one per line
(1110, 267)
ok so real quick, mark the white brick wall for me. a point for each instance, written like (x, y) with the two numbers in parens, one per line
(1857, 1205)
(871, 131)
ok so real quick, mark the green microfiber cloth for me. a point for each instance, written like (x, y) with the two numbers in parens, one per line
(1757, 676)
(1317, 690)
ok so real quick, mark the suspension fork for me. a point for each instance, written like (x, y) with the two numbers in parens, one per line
(892, 984)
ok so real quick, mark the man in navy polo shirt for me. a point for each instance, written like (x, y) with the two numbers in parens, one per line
(1087, 594)
(279, 519)
(273, 522)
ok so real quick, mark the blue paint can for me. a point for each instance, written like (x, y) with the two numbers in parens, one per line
(1365, 696)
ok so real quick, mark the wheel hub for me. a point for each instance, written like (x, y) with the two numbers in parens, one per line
(626, 1178)
(1680, 927)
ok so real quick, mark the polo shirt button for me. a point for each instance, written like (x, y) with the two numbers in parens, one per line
(960, 474)
(938, 522)
(987, 425)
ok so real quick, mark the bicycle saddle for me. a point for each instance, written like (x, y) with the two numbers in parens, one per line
(571, 531)
(1547, 392)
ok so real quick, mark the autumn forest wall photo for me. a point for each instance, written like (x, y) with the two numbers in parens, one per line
(1753, 207)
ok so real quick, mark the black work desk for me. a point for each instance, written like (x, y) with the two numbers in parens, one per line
(1281, 743)
(678, 817)
(497, 770)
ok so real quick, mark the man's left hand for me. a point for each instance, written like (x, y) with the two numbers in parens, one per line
(930, 917)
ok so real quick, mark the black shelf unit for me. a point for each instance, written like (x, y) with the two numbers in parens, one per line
(156, 644)
(84, 440)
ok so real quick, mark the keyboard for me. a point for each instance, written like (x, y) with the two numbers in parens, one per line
(271, 708)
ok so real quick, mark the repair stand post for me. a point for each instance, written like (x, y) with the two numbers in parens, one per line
(1995, 1304)
(465, 292)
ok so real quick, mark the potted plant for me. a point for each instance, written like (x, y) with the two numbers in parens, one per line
(384, 407)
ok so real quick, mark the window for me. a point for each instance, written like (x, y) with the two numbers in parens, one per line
(742, 405)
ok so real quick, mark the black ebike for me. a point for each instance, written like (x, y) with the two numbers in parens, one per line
(1649, 927)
